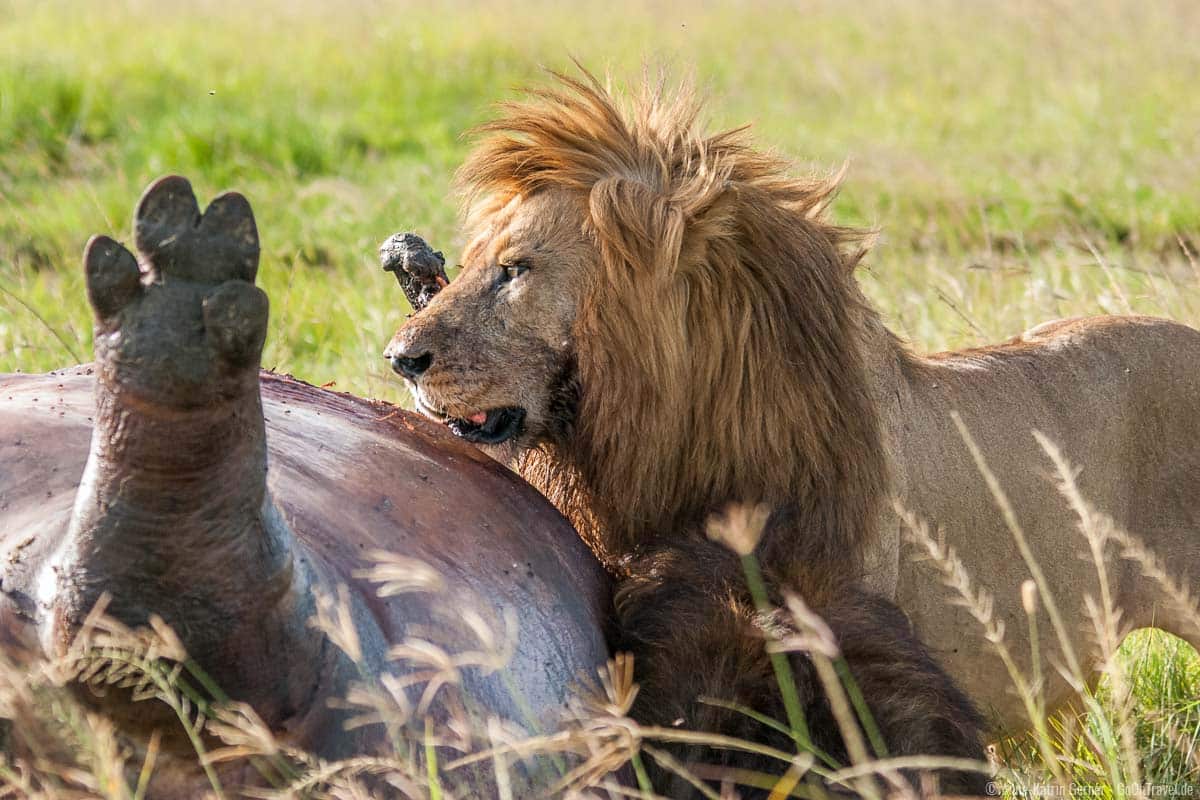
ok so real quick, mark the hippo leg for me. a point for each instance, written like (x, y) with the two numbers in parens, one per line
(419, 269)
(173, 517)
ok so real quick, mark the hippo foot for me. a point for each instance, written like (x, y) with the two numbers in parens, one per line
(420, 270)
(187, 312)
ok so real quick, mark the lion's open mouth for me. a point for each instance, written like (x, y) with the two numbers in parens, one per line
(493, 427)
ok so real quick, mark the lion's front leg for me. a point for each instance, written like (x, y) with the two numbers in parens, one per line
(420, 270)
(685, 614)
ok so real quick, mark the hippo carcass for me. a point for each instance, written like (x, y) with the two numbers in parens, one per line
(172, 477)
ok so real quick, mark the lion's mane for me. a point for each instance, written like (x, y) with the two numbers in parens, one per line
(718, 359)
(718, 350)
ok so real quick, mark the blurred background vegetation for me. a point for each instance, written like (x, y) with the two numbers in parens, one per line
(1023, 160)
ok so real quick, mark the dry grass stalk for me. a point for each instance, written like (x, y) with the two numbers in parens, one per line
(384, 703)
(671, 764)
(335, 619)
(739, 528)
(442, 669)
(244, 733)
(1014, 527)
(600, 733)
(1097, 530)
(397, 574)
(980, 605)
(339, 778)
(1174, 591)
(813, 636)
(497, 732)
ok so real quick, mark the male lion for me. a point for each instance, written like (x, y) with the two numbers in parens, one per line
(652, 322)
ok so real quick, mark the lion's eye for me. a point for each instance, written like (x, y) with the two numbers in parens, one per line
(514, 271)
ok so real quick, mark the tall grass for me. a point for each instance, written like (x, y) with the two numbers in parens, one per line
(1024, 160)
(1127, 743)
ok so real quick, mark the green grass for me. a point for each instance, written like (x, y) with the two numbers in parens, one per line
(1023, 160)
(989, 143)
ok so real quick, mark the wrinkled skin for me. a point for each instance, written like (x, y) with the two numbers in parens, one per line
(144, 479)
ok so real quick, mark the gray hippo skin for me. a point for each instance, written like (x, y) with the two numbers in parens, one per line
(174, 478)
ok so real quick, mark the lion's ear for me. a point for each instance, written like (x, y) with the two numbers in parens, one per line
(663, 231)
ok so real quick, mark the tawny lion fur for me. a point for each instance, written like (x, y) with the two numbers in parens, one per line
(683, 329)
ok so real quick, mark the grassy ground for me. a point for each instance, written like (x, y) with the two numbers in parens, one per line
(1024, 160)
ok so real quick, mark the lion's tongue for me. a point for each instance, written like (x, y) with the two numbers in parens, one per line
(478, 419)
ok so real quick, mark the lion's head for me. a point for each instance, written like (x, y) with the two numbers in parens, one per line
(492, 354)
(650, 320)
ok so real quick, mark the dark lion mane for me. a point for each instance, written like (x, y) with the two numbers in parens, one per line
(716, 361)
(716, 350)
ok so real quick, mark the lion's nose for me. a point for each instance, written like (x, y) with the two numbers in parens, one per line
(409, 366)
